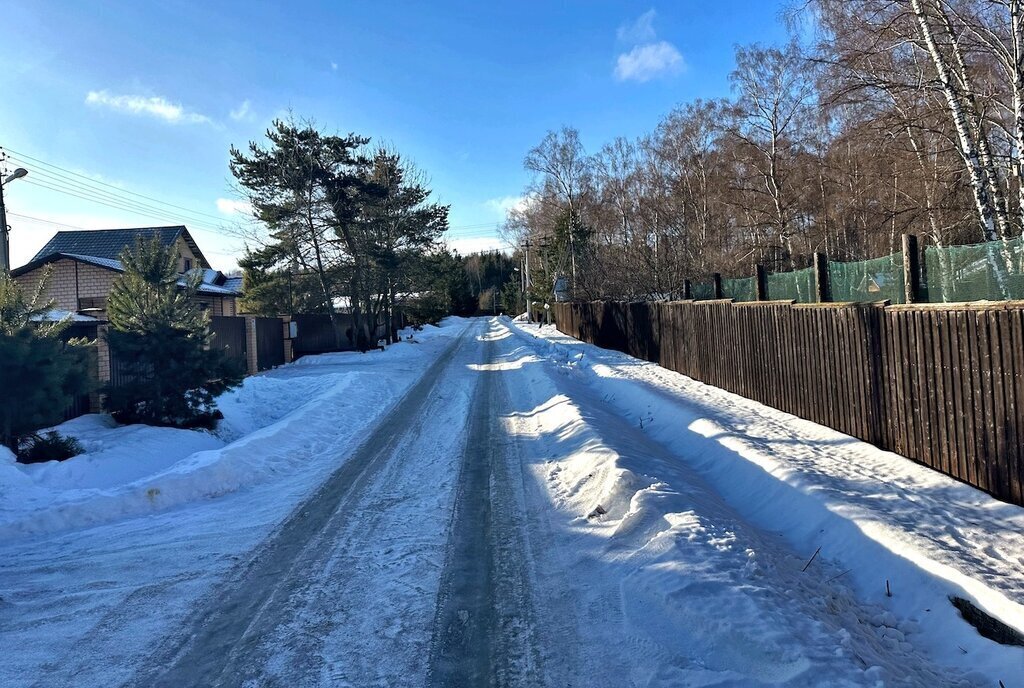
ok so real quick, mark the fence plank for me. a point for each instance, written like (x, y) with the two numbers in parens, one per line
(1014, 349)
(961, 404)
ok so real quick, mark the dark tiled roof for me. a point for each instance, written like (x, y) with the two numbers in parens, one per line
(229, 288)
(108, 263)
(109, 243)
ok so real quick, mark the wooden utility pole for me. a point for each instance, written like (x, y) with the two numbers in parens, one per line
(760, 283)
(820, 277)
(911, 269)
(716, 284)
(526, 282)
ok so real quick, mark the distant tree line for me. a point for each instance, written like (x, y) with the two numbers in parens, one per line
(896, 116)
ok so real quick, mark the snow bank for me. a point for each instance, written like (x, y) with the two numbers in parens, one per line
(877, 518)
(299, 417)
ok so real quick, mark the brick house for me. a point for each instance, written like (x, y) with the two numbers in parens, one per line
(85, 263)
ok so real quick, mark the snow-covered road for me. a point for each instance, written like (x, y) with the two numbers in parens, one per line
(500, 505)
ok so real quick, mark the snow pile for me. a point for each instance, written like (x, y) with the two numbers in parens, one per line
(297, 418)
(862, 519)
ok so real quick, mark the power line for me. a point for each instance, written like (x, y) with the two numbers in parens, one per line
(62, 180)
(116, 188)
(72, 185)
(480, 225)
(117, 205)
(39, 219)
(110, 201)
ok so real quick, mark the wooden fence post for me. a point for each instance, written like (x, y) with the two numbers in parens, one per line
(716, 282)
(821, 277)
(760, 283)
(687, 291)
(911, 268)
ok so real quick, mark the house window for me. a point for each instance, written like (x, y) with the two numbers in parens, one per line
(92, 303)
(188, 264)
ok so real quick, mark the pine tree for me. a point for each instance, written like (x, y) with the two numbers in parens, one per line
(40, 373)
(161, 340)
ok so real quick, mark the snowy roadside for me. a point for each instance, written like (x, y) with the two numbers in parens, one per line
(134, 470)
(91, 576)
(875, 516)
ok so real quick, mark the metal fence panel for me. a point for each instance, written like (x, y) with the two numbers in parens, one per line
(269, 343)
(229, 334)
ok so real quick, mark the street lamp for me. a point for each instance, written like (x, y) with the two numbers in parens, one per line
(5, 247)
(16, 174)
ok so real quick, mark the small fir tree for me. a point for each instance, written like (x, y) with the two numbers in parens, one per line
(40, 373)
(161, 340)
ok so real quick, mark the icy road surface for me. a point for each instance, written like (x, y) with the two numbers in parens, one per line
(481, 509)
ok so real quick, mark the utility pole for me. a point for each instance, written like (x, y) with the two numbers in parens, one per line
(526, 282)
(5, 247)
(572, 252)
(5, 244)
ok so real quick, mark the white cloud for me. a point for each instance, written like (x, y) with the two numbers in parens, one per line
(506, 203)
(152, 106)
(645, 62)
(234, 206)
(334, 66)
(639, 31)
(241, 112)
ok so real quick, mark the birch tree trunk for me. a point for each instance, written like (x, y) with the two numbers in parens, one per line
(977, 123)
(968, 146)
(1017, 72)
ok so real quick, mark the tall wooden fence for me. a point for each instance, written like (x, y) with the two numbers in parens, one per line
(941, 384)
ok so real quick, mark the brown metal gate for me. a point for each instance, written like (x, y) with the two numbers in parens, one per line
(229, 334)
(269, 343)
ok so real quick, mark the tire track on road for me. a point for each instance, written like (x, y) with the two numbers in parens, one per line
(226, 630)
(484, 631)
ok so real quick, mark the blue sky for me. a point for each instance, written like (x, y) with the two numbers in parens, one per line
(148, 97)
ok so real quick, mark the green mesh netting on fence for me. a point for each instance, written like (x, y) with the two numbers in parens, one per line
(992, 271)
(703, 291)
(740, 289)
(878, 279)
(797, 286)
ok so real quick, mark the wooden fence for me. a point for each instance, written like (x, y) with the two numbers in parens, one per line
(941, 384)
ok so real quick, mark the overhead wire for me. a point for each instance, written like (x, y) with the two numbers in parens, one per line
(115, 204)
(110, 201)
(71, 184)
(59, 179)
(32, 218)
(26, 157)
